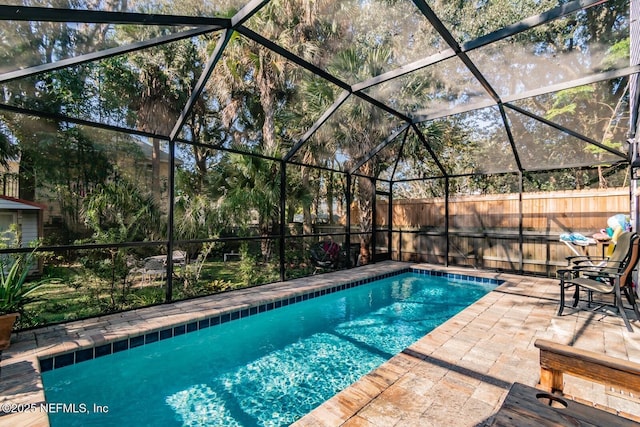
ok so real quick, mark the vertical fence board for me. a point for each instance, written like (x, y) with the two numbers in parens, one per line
(484, 229)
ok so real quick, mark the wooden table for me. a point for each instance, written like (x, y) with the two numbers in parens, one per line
(523, 408)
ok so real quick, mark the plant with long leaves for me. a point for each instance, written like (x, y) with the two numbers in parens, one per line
(15, 290)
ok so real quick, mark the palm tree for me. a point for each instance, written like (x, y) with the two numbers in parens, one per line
(157, 84)
(366, 126)
(252, 185)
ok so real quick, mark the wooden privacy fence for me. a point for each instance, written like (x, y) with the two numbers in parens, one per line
(484, 230)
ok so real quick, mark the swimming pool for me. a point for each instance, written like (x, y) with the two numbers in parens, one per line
(268, 369)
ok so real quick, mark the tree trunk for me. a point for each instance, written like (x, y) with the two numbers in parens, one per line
(601, 178)
(267, 103)
(307, 227)
(265, 244)
(155, 171)
(26, 178)
(365, 205)
(201, 167)
(330, 188)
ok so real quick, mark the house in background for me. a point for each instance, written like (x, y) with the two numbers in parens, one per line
(27, 217)
(132, 156)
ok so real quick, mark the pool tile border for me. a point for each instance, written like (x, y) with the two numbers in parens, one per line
(57, 361)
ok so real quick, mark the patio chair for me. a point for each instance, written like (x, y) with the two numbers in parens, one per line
(136, 269)
(179, 258)
(322, 258)
(154, 268)
(608, 280)
(585, 263)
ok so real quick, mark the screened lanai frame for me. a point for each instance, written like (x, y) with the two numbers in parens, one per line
(373, 91)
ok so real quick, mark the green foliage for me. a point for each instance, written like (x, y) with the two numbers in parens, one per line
(197, 216)
(205, 288)
(117, 212)
(249, 273)
(252, 186)
(252, 270)
(15, 290)
(565, 101)
(191, 274)
(145, 298)
(109, 265)
(619, 51)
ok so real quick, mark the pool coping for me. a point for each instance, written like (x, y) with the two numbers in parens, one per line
(91, 351)
(21, 382)
(20, 364)
(460, 373)
(40, 350)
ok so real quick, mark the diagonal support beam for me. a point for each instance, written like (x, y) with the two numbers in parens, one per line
(107, 53)
(377, 149)
(595, 78)
(426, 145)
(316, 70)
(247, 12)
(524, 25)
(512, 142)
(241, 16)
(405, 69)
(531, 22)
(400, 155)
(202, 81)
(567, 131)
(451, 41)
(292, 57)
(325, 116)
(607, 75)
(383, 106)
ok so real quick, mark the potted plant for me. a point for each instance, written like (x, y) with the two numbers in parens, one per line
(15, 291)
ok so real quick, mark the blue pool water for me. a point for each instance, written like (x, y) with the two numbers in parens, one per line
(264, 370)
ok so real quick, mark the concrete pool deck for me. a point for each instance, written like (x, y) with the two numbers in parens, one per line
(457, 375)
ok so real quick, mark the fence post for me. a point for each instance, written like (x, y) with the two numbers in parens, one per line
(446, 221)
(521, 221)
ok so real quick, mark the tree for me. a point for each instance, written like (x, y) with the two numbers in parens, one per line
(313, 98)
(365, 127)
(118, 212)
(253, 185)
(58, 161)
(600, 108)
(156, 86)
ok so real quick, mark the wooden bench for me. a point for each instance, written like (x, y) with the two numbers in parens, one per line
(559, 359)
(528, 406)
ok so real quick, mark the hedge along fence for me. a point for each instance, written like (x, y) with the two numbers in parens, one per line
(484, 230)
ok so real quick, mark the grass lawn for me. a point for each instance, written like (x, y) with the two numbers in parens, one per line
(78, 294)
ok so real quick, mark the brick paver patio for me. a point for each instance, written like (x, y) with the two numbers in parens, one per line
(457, 375)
